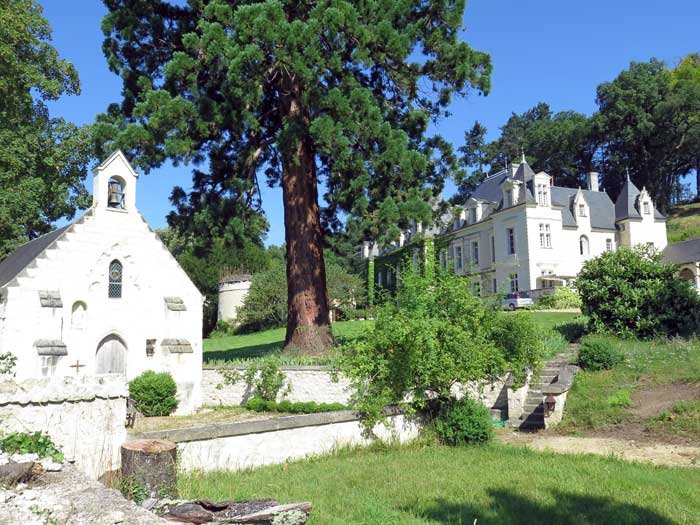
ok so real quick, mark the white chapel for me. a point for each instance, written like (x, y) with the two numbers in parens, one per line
(103, 295)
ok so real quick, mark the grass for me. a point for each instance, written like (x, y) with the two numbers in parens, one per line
(683, 418)
(494, 484)
(236, 349)
(683, 222)
(239, 349)
(602, 399)
(206, 416)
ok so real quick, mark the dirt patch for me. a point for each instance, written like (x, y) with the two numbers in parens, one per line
(644, 452)
(650, 401)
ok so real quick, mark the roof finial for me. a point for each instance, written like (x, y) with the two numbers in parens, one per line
(628, 173)
(522, 152)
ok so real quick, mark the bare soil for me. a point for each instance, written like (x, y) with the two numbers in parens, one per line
(631, 440)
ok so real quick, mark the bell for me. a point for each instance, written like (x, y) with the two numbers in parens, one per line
(114, 200)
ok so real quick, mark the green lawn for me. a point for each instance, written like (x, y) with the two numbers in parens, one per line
(604, 399)
(496, 484)
(683, 222)
(270, 342)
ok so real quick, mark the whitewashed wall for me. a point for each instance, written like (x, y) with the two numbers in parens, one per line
(85, 417)
(309, 383)
(293, 438)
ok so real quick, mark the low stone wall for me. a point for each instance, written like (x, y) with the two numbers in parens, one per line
(308, 383)
(84, 416)
(239, 446)
(315, 383)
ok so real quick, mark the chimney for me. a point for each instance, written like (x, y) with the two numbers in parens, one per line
(593, 181)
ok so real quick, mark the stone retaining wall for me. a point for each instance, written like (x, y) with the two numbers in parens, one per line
(309, 383)
(239, 446)
(315, 383)
(84, 416)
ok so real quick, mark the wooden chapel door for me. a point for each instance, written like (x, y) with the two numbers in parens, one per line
(111, 356)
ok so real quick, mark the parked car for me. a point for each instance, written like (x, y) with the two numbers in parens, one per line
(511, 301)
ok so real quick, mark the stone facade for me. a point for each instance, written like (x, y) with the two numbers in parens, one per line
(102, 295)
(85, 417)
(308, 383)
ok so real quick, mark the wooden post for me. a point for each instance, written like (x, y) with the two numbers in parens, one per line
(152, 464)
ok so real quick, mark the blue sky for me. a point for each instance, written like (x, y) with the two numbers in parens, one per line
(555, 51)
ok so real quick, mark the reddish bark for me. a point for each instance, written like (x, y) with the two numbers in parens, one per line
(308, 321)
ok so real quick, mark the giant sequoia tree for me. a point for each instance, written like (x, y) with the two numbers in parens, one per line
(327, 92)
(43, 160)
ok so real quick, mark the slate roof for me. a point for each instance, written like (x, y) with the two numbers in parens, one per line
(683, 252)
(602, 212)
(490, 189)
(627, 203)
(18, 260)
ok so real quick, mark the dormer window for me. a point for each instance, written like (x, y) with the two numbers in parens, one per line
(509, 198)
(116, 193)
(647, 208)
(472, 215)
(542, 195)
(581, 210)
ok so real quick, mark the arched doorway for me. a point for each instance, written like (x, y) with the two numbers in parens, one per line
(111, 356)
(688, 275)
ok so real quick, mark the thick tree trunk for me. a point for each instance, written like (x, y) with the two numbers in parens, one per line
(308, 321)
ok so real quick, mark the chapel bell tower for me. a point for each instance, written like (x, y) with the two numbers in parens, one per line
(114, 184)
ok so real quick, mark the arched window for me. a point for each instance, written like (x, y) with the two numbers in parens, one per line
(116, 193)
(115, 279)
(583, 245)
(78, 315)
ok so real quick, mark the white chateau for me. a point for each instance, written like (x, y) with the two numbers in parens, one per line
(519, 232)
(102, 295)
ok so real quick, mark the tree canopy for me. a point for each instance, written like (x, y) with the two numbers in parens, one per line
(334, 92)
(647, 122)
(43, 161)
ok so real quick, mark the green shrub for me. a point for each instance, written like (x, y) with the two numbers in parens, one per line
(31, 443)
(464, 422)
(8, 361)
(264, 378)
(562, 297)
(309, 407)
(520, 341)
(154, 393)
(599, 354)
(431, 334)
(632, 292)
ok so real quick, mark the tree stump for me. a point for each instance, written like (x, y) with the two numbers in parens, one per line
(151, 464)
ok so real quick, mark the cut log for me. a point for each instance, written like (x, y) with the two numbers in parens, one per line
(151, 464)
(13, 473)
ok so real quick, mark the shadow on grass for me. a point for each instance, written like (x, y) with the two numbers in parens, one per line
(572, 330)
(244, 352)
(516, 509)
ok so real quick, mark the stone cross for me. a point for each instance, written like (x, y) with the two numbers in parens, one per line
(77, 367)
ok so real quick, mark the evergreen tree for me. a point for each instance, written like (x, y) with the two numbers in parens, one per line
(333, 91)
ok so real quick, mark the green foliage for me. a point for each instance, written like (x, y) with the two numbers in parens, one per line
(631, 292)
(683, 222)
(432, 334)
(621, 399)
(132, 489)
(154, 393)
(683, 418)
(265, 306)
(597, 353)
(44, 160)
(265, 379)
(30, 443)
(464, 422)
(258, 404)
(520, 341)
(370, 282)
(8, 361)
(562, 297)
